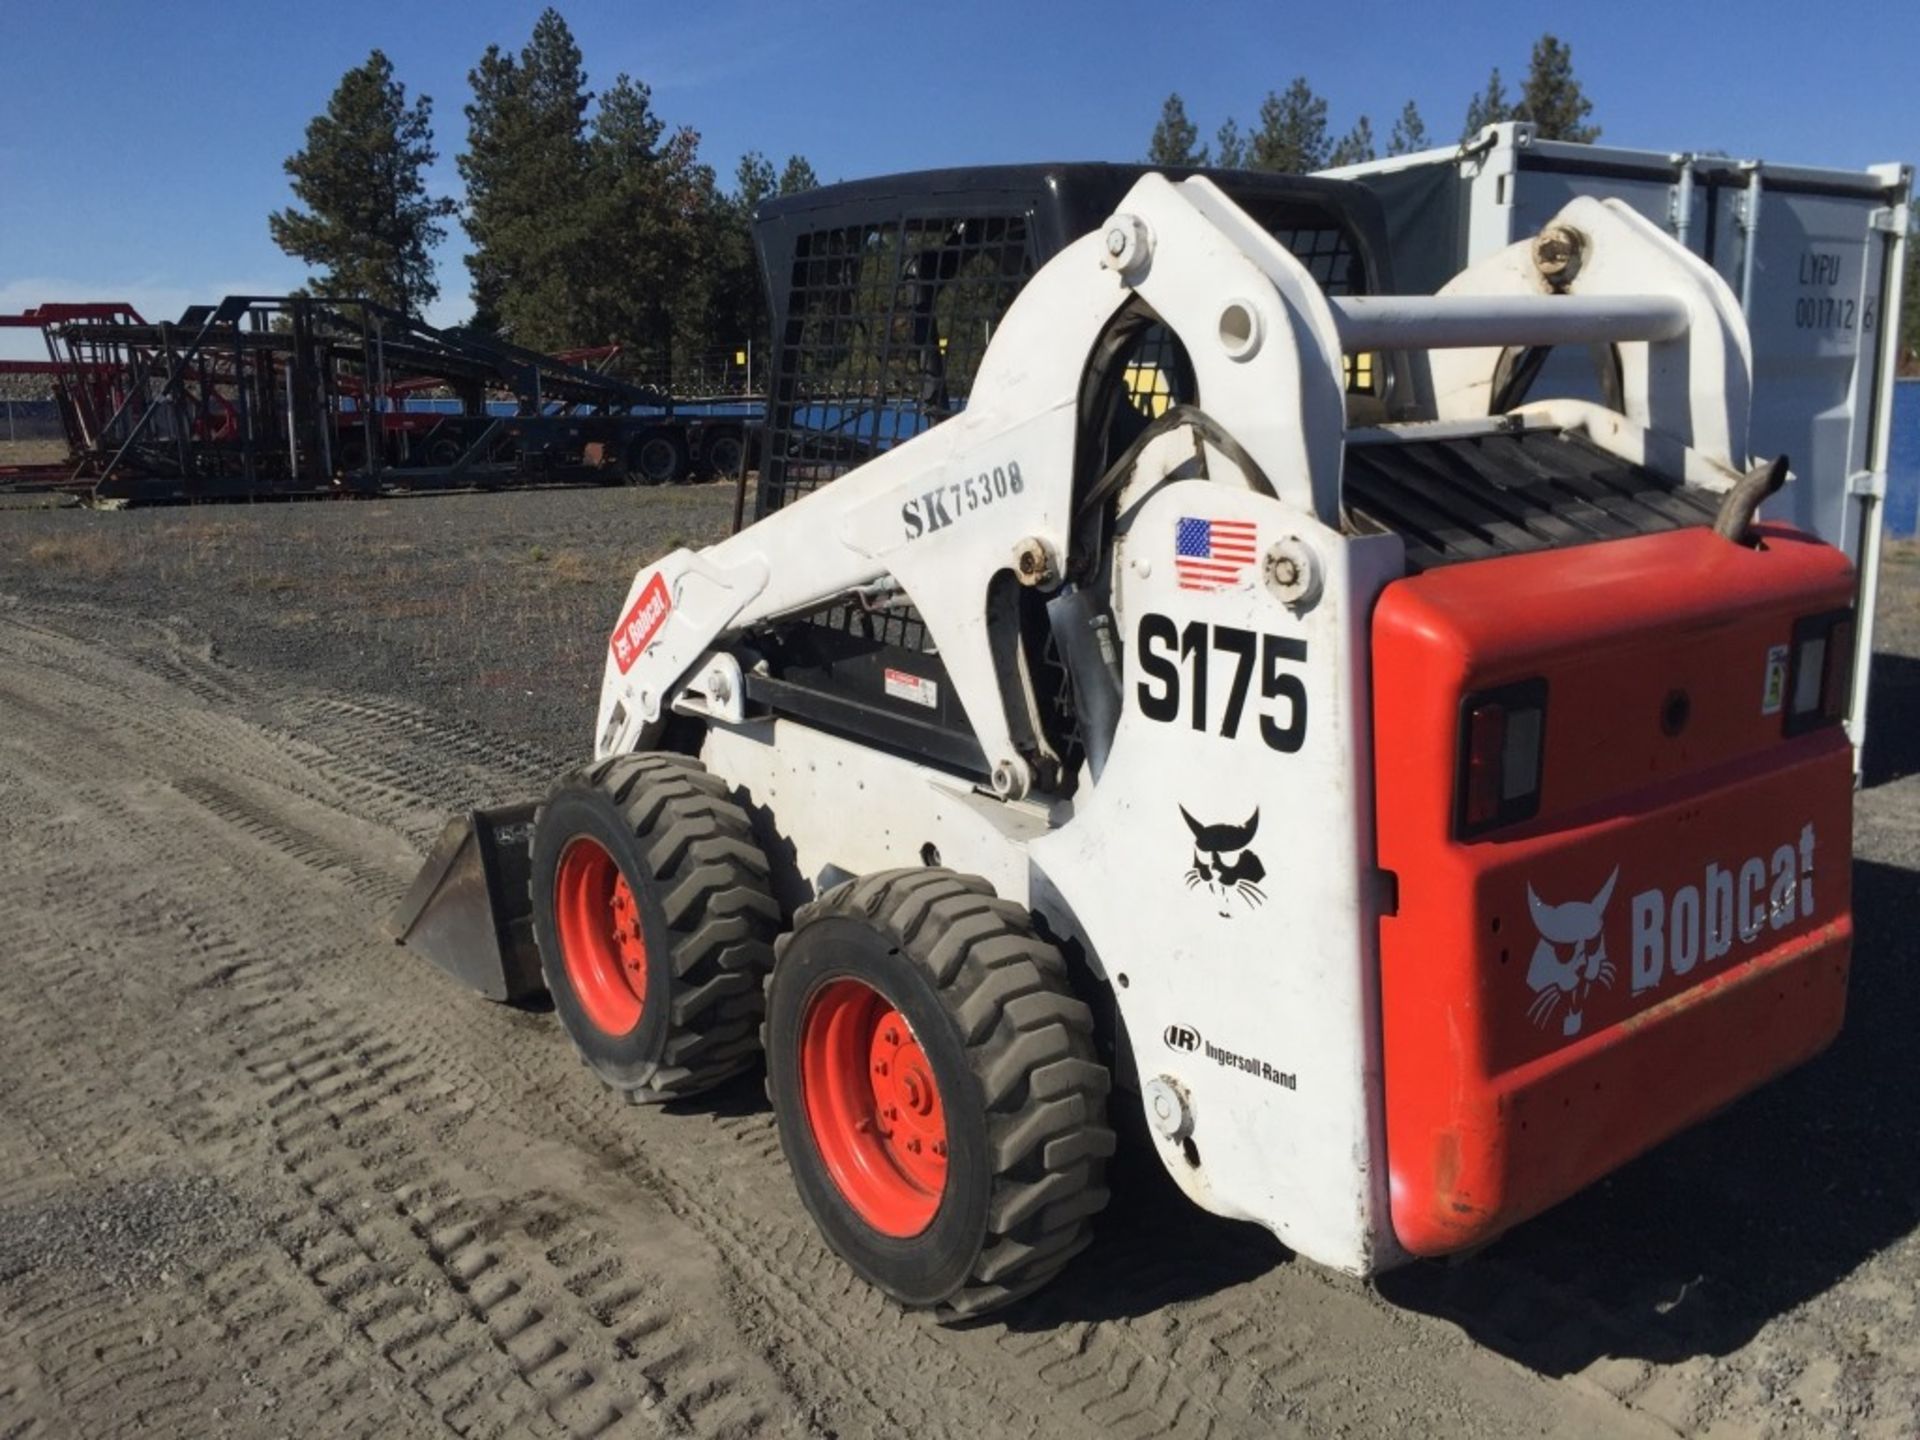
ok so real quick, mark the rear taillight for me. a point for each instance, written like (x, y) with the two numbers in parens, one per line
(1822, 671)
(1500, 745)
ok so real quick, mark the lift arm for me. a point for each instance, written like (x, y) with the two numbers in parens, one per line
(992, 490)
(1693, 383)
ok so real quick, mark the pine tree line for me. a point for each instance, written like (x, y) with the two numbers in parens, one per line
(1293, 137)
(591, 220)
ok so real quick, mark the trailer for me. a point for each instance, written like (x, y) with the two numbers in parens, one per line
(1814, 256)
(262, 396)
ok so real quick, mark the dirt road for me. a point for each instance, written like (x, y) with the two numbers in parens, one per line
(262, 1173)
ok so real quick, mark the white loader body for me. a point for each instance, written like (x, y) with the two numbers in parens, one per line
(1220, 869)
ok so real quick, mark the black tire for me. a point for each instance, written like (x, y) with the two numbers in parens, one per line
(1011, 1051)
(705, 913)
(726, 450)
(658, 457)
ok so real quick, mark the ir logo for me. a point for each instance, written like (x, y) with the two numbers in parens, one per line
(1181, 1037)
(1571, 959)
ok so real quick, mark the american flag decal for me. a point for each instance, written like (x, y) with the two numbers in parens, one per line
(1210, 554)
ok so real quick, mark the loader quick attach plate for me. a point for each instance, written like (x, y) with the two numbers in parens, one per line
(468, 909)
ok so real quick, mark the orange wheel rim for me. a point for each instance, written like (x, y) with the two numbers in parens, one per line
(602, 946)
(873, 1107)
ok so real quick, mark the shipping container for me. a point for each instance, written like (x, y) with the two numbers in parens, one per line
(1815, 257)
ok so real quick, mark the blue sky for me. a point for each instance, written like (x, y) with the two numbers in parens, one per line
(141, 144)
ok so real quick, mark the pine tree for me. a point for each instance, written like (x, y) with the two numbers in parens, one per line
(1489, 107)
(797, 176)
(1552, 99)
(1355, 147)
(735, 311)
(1174, 138)
(1292, 138)
(639, 229)
(526, 171)
(493, 124)
(753, 181)
(1230, 148)
(725, 306)
(369, 222)
(1409, 132)
(695, 205)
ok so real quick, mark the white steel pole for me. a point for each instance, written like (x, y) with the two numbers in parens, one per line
(1894, 220)
(1438, 322)
(1750, 236)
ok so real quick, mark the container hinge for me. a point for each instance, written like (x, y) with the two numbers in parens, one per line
(1892, 219)
(1746, 208)
(1868, 482)
(1680, 196)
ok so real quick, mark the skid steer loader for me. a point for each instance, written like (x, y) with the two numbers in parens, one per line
(1211, 684)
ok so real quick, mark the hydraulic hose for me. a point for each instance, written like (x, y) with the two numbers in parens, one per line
(1735, 520)
(1175, 417)
(1084, 634)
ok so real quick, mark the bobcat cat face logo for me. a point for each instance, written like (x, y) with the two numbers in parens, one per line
(1571, 958)
(1223, 863)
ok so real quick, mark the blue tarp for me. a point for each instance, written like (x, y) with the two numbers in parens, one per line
(1903, 465)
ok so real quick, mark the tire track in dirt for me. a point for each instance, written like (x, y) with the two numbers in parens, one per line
(120, 1340)
(89, 1020)
(820, 1266)
(504, 1305)
(261, 1000)
(796, 1313)
(338, 1096)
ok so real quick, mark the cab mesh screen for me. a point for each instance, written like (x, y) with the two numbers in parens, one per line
(886, 324)
(886, 327)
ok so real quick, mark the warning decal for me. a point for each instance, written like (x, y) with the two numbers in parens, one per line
(916, 689)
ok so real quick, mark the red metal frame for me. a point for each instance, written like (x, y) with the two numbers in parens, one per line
(58, 312)
(79, 385)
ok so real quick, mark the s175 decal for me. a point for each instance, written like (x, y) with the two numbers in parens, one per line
(1166, 649)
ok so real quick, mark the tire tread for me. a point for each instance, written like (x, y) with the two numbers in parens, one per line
(1029, 1042)
(720, 913)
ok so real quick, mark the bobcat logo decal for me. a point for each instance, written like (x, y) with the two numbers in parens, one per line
(1561, 979)
(1223, 863)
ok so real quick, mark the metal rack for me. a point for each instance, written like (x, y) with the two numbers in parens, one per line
(312, 395)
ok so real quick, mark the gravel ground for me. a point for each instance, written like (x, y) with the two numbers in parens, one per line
(253, 1170)
(33, 452)
(494, 607)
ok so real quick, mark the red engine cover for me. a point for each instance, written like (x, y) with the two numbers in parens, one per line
(1668, 931)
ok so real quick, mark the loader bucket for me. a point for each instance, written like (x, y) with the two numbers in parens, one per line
(468, 909)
